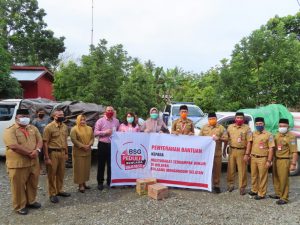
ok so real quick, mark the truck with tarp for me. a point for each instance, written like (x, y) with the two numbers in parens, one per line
(272, 113)
(71, 110)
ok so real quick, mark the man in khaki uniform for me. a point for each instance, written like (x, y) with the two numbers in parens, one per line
(56, 153)
(183, 125)
(23, 143)
(239, 138)
(261, 159)
(286, 147)
(219, 134)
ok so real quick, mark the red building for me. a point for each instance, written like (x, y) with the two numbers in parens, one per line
(36, 81)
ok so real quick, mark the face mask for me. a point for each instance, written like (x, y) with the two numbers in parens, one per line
(259, 128)
(24, 121)
(109, 114)
(41, 116)
(130, 119)
(283, 130)
(239, 122)
(60, 119)
(212, 122)
(154, 116)
(183, 115)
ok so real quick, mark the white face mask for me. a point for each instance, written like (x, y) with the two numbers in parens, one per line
(24, 121)
(282, 130)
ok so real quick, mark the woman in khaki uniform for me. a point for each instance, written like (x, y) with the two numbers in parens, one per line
(82, 138)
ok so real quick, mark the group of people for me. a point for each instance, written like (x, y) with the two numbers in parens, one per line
(25, 142)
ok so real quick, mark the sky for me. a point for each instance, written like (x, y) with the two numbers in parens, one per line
(191, 34)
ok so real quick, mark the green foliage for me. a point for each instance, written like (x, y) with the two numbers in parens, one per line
(27, 38)
(9, 87)
(264, 68)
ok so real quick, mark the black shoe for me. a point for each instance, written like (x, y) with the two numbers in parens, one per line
(251, 193)
(230, 189)
(274, 196)
(63, 194)
(281, 202)
(217, 190)
(23, 211)
(257, 197)
(100, 187)
(54, 199)
(34, 205)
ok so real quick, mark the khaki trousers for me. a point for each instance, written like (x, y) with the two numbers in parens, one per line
(24, 185)
(56, 172)
(281, 170)
(259, 176)
(236, 159)
(217, 170)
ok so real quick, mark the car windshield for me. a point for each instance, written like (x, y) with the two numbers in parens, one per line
(194, 111)
(6, 112)
(204, 120)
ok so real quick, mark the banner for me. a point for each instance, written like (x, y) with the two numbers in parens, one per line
(177, 161)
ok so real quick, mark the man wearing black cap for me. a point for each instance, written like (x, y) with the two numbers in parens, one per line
(239, 138)
(183, 125)
(23, 143)
(285, 147)
(261, 159)
(219, 134)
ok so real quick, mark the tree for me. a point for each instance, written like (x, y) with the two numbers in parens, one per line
(9, 87)
(264, 67)
(98, 79)
(137, 94)
(24, 30)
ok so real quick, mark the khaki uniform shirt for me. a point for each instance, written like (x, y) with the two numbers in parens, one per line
(286, 144)
(181, 126)
(56, 135)
(29, 138)
(219, 131)
(262, 142)
(239, 136)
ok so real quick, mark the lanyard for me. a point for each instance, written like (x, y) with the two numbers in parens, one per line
(24, 131)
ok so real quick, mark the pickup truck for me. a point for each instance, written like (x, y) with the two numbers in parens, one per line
(9, 107)
(227, 118)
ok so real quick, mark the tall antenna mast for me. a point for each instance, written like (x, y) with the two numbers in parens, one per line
(92, 31)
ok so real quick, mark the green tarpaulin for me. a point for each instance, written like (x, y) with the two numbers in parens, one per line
(271, 113)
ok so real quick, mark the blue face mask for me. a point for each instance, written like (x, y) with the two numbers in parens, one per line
(259, 128)
(130, 119)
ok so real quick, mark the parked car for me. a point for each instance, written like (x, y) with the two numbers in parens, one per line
(227, 118)
(171, 112)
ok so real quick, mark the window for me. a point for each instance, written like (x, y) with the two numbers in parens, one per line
(6, 112)
(193, 111)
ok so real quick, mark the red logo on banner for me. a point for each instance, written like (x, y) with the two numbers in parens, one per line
(133, 156)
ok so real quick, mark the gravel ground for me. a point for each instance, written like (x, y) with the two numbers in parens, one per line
(124, 206)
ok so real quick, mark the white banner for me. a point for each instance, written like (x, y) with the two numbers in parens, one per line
(178, 161)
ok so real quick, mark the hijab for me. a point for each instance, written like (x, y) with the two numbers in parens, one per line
(83, 130)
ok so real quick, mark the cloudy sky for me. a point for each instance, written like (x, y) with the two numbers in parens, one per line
(192, 34)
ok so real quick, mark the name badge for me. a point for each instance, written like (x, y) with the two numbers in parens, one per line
(261, 145)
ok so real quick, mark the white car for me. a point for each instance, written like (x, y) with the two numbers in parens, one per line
(227, 118)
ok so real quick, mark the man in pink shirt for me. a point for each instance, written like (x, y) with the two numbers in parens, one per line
(103, 130)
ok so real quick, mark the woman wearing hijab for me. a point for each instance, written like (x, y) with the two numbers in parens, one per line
(154, 124)
(129, 124)
(83, 138)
